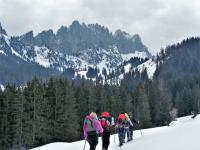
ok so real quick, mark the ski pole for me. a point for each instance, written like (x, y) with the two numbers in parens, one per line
(84, 145)
(114, 136)
(102, 139)
(140, 130)
(139, 123)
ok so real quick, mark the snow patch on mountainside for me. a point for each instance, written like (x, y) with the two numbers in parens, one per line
(2, 52)
(2, 87)
(132, 55)
(150, 65)
(17, 54)
(42, 56)
(7, 38)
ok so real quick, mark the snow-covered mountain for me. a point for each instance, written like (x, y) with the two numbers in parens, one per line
(48, 58)
(79, 47)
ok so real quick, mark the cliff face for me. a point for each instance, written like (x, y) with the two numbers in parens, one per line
(129, 44)
(78, 37)
(27, 39)
(45, 38)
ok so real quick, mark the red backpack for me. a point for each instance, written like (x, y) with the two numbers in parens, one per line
(104, 121)
(121, 116)
(121, 121)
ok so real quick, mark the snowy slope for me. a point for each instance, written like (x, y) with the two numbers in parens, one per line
(150, 65)
(136, 54)
(2, 87)
(182, 134)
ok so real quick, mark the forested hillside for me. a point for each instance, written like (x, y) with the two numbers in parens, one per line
(42, 112)
(181, 73)
(36, 114)
(178, 67)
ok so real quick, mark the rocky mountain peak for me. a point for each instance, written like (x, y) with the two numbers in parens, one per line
(2, 31)
(75, 23)
(45, 38)
(122, 34)
(129, 44)
(75, 27)
(27, 39)
(83, 25)
(62, 32)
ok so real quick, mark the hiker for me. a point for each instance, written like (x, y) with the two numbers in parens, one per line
(131, 127)
(126, 128)
(120, 127)
(107, 122)
(92, 127)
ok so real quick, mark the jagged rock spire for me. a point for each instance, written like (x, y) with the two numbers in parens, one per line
(2, 31)
(0, 27)
(27, 38)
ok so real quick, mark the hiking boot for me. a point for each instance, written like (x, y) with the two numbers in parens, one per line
(129, 139)
(120, 143)
(103, 148)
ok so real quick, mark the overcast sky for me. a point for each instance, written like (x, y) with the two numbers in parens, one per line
(158, 22)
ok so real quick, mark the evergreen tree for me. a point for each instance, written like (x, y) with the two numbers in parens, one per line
(167, 106)
(82, 106)
(52, 96)
(2, 122)
(35, 113)
(44, 109)
(18, 115)
(143, 111)
(196, 104)
(71, 114)
(117, 100)
(107, 99)
(166, 101)
(99, 97)
(8, 110)
(177, 100)
(129, 104)
(92, 102)
(1, 117)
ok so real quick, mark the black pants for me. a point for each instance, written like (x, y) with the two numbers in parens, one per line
(131, 132)
(93, 141)
(106, 139)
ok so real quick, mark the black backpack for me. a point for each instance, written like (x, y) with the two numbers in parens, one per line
(120, 122)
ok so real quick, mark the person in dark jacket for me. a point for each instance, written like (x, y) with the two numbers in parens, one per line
(131, 127)
(120, 123)
(107, 122)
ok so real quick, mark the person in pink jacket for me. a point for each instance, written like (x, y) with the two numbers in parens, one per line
(92, 127)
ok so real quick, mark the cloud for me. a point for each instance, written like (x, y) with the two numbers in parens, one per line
(159, 23)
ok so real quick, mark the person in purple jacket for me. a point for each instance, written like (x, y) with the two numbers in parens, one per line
(92, 127)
